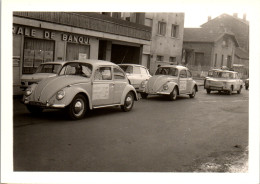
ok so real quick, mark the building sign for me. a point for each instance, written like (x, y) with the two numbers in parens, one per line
(82, 56)
(46, 34)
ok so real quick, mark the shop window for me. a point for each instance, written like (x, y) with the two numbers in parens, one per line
(77, 51)
(161, 28)
(36, 51)
(175, 31)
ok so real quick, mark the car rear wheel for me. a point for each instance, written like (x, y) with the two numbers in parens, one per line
(173, 94)
(77, 107)
(129, 102)
(208, 91)
(34, 109)
(192, 95)
(144, 95)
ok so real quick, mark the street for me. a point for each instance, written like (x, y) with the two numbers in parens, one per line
(208, 133)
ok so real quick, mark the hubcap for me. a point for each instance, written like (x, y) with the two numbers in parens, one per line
(78, 108)
(129, 101)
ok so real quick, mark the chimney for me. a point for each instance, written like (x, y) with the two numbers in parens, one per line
(209, 18)
(235, 15)
(244, 16)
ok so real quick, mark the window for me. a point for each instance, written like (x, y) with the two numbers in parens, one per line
(137, 70)
(127, 69)
(159, 58)
(143, 71)
(161, 28)
(189, 74)
(36, 52)
(84, 70)
(167, 71)
(172, 59)
(118, 74)
(175, 31)
(183, 74)
(103, 73)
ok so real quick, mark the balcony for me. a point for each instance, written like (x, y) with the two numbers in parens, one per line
(91, 21)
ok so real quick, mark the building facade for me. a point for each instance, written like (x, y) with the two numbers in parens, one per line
(166, 39)
(59, 36)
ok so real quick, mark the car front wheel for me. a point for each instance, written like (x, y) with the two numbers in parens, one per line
(208, 91)
(192, 95)
(239, 91)
(77, 107)
(173, 94)
(129, 102)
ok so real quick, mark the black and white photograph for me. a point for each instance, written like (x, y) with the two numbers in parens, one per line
(134, 92)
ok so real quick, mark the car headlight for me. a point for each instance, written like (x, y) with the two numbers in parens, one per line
(60, 95)
(165, 87)
(28, 92)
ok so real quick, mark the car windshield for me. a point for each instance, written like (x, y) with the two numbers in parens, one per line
(81, 69)
(225, 75)
(49, 68)
(167, 71)
(127, 68)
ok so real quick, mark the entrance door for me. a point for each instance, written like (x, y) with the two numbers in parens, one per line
(229, 61)
(77, 51)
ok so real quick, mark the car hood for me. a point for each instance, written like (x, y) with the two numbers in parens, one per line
(156, 81)
(48, 87)
(37, 76)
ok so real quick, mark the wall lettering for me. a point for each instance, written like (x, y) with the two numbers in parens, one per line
(24, 31)
(75, 39)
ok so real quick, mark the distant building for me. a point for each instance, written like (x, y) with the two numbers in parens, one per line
(204, 49)
(231, 25)
(58, 36)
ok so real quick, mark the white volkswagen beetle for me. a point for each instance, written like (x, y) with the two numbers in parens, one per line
(170, 80)
(80, 86)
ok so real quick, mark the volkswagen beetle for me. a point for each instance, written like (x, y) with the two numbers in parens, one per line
(170, 80)
(223, 80)
(81, 86)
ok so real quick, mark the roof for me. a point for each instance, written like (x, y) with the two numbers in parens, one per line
(175, 66)
(204, 35)
(239, 52)
(224, 15)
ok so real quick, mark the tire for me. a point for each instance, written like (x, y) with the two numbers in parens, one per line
(34, 109)
(129, 102)
(246, 87)
(208, 91)
(78, 107)
(144, 95)
(173, 94)
(239, 91)
(230, 91)
(192, 95)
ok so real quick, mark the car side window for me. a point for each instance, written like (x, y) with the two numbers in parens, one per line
(103, 73)
(183, 74)
(118, 74)
(137, 70)
(189, 74)
(143, 71)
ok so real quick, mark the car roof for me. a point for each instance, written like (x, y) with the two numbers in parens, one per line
(129, 64)
(219, 70)
(94, 62)
(175, 66)
(54, 62)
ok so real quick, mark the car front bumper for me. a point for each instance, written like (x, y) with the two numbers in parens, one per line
(44, 105)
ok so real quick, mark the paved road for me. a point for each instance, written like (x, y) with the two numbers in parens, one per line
(187, 135)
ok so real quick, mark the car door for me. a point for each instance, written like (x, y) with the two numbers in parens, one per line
(189, 82)
(183, 81)
(120, 82)
(103, 86)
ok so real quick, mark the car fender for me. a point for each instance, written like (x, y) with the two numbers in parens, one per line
(194, 84)
(171, 86)
(126, 90)
(70, 93)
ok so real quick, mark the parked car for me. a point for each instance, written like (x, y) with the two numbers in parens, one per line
(170, 80)
(135, 73)
(223, 80)
(81, 86)
(247, 84)
(44, 70)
